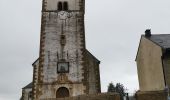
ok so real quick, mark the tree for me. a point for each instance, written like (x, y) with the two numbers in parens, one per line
(111, 88)
(119, 88)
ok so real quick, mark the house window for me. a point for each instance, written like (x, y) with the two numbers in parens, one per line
(60, 6)
(65, 7)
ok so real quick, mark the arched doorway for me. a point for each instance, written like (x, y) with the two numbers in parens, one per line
(62, 92)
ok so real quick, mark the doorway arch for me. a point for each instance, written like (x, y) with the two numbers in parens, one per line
(62, 92)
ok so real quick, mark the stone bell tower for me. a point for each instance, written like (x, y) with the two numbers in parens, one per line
(65, 67)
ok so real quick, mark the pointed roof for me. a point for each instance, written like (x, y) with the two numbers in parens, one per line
(163, 40)
(92, 56)
(28, 86)
(35, 62)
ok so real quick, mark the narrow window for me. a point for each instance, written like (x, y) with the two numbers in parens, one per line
(65, 6)
(60, 6)
(29, 95)
(63, 40)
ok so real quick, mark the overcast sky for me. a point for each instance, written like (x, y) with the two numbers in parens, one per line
(113, 30)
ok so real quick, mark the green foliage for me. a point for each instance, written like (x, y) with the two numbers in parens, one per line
(111, 88)
(119, 88)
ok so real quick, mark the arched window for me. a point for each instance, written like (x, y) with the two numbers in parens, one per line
(65, 6)
(60, 6)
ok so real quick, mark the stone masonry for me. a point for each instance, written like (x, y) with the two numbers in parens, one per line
(103, 96)
(65, 68)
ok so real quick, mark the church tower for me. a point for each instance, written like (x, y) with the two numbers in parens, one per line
(65, 67)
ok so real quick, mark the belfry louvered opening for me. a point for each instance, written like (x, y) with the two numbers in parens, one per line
(62, 6)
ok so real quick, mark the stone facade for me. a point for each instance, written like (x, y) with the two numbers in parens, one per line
(93, 75)
(103, 96)
(151, 95)
(64, 63)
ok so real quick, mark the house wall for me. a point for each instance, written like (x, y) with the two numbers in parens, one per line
(149, 65)
(166, 63)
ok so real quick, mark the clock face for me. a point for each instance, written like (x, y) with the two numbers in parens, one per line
(63, 67)
(62, 15)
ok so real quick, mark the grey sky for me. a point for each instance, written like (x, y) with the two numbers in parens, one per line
(113, 29)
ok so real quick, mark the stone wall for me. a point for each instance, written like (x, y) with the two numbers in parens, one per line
(102, 96)
(62, 40)
(26, 94)
(93, 74)
(152, 95)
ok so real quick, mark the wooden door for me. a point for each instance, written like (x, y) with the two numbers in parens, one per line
(62, 92)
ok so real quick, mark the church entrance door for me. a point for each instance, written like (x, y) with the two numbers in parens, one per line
(62, 92)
